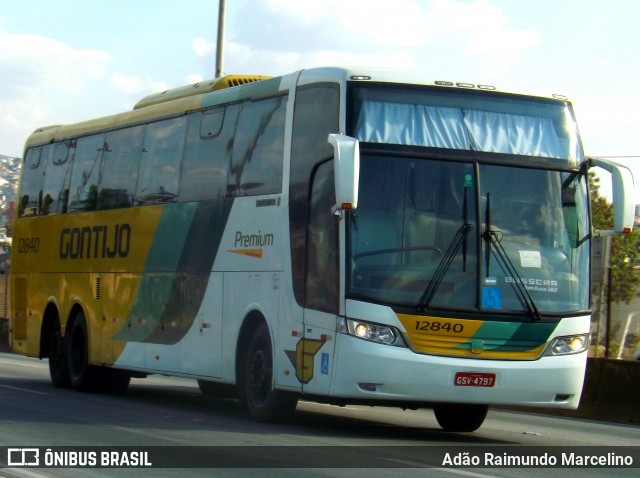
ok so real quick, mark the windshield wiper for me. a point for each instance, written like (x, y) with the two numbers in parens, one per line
(491, 238)
(458, 242)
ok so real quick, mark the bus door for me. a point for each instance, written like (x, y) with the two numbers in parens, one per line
(321, 285)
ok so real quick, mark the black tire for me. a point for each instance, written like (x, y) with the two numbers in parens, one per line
(217, 390)
(460, 417)
(83, 376)
(58, 361)
(256, 391)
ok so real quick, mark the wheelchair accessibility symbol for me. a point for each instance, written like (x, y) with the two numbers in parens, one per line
(491, 298)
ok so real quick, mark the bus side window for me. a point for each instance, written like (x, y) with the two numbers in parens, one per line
(258, 148)
(211, 122)
(83, 188)
(32, 180)
(55, 189)
(120, 168)
(160, 162)
(207, 153)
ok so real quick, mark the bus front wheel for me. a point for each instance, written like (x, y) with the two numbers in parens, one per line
(460, 417)
(256, 383)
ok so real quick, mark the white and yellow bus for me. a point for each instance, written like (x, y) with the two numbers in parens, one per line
(332, 235)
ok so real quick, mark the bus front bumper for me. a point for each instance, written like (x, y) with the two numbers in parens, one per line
(395, 374)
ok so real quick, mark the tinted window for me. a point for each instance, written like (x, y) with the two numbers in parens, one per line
(211, 123)
(160, 161)
(258, 148)
(467, 120)
(207, 156)
(120, 168)
(83, 190)
(322, 273)
(56, 188)
(31, 181)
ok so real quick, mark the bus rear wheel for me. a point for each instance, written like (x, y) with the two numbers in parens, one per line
(256, 384)
(58, 362)
(82, 375)
(454, 417)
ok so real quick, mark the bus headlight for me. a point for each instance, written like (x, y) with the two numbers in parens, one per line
(568, 345)
(378, 333)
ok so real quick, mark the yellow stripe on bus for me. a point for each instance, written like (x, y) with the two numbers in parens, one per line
(462, 338)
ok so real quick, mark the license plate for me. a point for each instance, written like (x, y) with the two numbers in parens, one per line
(474, 379)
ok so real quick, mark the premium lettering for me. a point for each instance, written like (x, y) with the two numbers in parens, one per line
(97, 242)
(253, 240)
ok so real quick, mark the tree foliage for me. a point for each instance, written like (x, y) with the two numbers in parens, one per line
(624, 249)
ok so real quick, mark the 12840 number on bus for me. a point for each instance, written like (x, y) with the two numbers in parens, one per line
(437, 326)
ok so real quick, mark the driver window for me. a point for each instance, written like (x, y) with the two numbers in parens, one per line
(322, 251)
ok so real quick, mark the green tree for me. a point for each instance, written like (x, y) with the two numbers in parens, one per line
(624, 249)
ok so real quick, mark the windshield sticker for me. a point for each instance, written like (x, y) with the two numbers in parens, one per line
(491, 281)
(530, 259)
(468, 180)
(491, 298)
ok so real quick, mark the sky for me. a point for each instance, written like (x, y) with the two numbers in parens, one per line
(63, 61)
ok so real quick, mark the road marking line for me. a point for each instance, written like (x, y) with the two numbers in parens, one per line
(448, 470)
(23, 473)
(465, 473)
(25, 390)
(21, 364)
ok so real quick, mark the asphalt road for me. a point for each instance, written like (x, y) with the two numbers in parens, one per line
(166, 413)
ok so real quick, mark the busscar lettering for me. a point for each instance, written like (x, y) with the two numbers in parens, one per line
(537, 285)
(97, 242)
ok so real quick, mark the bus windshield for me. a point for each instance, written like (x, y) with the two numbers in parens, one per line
(466, 120)
(446, 234)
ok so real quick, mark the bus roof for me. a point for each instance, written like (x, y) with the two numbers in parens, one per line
(178, 101)
(158, 106)
(400, 76)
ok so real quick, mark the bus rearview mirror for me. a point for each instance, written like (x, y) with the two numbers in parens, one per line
(623, 196)
(346, 170)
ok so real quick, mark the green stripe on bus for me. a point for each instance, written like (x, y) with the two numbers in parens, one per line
(511, 336)
(196, 264)
(170, 236)
(177, 272)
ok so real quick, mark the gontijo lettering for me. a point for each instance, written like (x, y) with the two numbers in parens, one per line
(97, 242)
